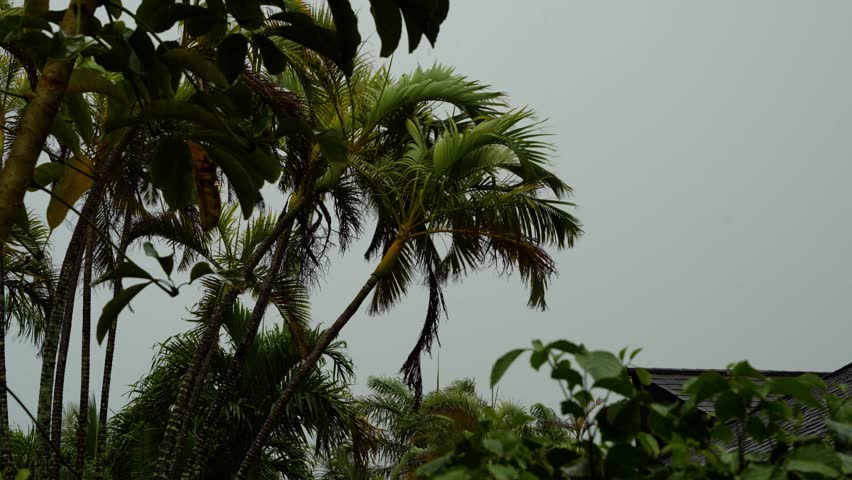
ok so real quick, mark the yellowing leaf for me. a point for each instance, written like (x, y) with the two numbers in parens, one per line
(76, 179)
(204, 171)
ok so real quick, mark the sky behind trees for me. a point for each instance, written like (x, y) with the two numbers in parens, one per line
(708, 145)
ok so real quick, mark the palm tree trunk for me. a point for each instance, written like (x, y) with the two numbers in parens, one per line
(70, 271)
(61, 361)
(304, 370)
(103, 411)
(38, 117)
(183, 410)
(6, 453)
(85, 340)
(272, 420)
(204, 440)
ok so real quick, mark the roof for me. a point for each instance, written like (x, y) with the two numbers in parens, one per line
(667, 386)
(812, 418)
(668, 383)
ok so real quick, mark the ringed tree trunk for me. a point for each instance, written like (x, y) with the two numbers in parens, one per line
(61, 361)
(68, 281)
(310, 362)
(183, 410)
(204, 440)
(85, 358)
(6, 453)
(38, 116)
(103, 411)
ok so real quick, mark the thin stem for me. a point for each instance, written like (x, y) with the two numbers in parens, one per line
(43, 433)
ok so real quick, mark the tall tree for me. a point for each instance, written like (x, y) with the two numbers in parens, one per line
(483, 187)
(38, 116)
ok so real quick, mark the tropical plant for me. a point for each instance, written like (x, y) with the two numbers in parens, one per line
(26, 283)
(481, 185)
(633, 436)
(323, 416)
(413, 435)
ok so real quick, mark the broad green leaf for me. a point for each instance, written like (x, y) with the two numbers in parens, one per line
(846, 461)
(619, 384)
(814, 459)
(143, 54)
(705, 386)
(796, 388)
(23, 474)
(600, 364)
(273, 58)
(649, 444)
(90, 80)
(564, 371)
(538, 358)
(729, 405)
(757, 471)
(388, 21)
(572, 408)
(199, 270)
(196, 63)
(113, 308)
(314, 37)
(76, 179)
(46, 174)
(167, 263)
(644, 376)
(503, 363)
(348, 38)
(239, 178)
(155, 14)
(231, 55)
(263, 164)
(80, 114)
(64, 132)
(247, 13)
(722, 432)
(171, 171)
(564, 346)
(334, 149)
(168, 110)
(502, 472)
(114, 8)
(842, 431)
(124, 270)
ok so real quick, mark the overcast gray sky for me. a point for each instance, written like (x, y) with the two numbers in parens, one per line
(709, 146)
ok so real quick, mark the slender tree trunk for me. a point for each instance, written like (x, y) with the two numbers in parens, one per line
(51, 341)
(183, 410)
(309, 363)
(85, 342)
(103, 412)
(61, 361)
(38, 117)
(204, 440)
(6, 453)
(303, 371)
(70, 271)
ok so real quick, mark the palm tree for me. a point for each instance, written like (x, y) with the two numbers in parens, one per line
(26, 283)
(482, 186)
(416, 434)
(324, 411)
(351, 105)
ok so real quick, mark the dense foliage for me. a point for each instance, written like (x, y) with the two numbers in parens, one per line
(630, 435)
(239, 144)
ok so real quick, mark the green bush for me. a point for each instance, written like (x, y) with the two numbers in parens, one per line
(630, 435)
